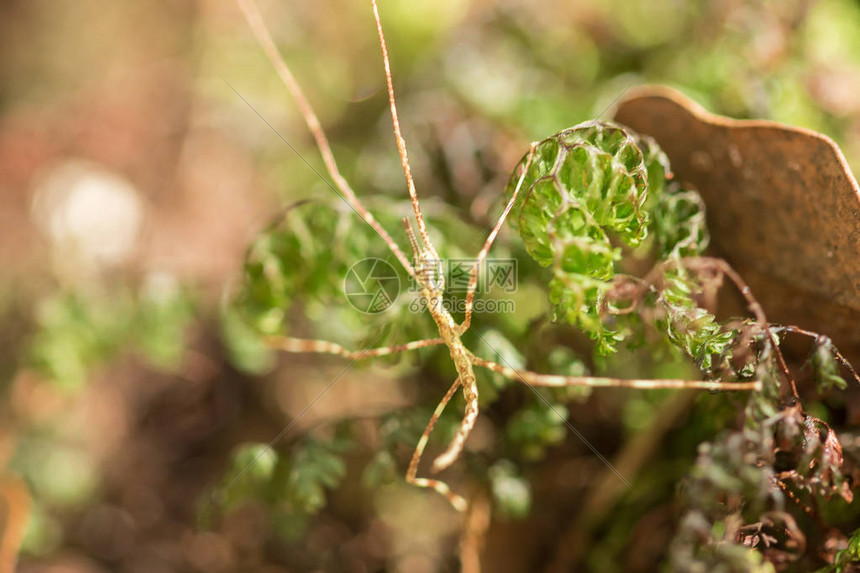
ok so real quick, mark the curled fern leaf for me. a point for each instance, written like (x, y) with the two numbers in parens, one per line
(588, 188)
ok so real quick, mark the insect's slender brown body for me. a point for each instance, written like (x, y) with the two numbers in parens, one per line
(461, 357)
(425, 260)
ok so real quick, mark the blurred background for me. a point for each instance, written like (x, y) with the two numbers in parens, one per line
(135, 171)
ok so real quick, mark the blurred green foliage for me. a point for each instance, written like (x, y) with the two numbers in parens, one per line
(78, 330)
(511, 492)
(846, 559)
(295, 484)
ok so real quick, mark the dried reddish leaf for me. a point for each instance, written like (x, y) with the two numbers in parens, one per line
(826, 461)
(783, 207)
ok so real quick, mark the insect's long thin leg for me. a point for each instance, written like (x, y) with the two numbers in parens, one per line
(473, 276)
(261, 32)
(455, 448)
(401, 142)
(535, 379)
(459, 502)
(289, 344)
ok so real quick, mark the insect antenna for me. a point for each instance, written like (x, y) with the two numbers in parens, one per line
(413, 241)
(264, 39)
(401, 142)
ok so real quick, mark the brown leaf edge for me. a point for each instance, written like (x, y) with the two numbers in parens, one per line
(783, 206)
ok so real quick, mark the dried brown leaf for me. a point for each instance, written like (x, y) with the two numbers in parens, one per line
(783, 207)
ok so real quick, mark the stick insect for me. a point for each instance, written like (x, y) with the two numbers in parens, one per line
(432, 285)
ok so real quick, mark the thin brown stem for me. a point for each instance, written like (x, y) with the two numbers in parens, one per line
(713, 264)
(839, 356)
(756, 308)
(261, 32)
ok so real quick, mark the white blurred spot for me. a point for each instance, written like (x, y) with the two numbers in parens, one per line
(89, 212)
